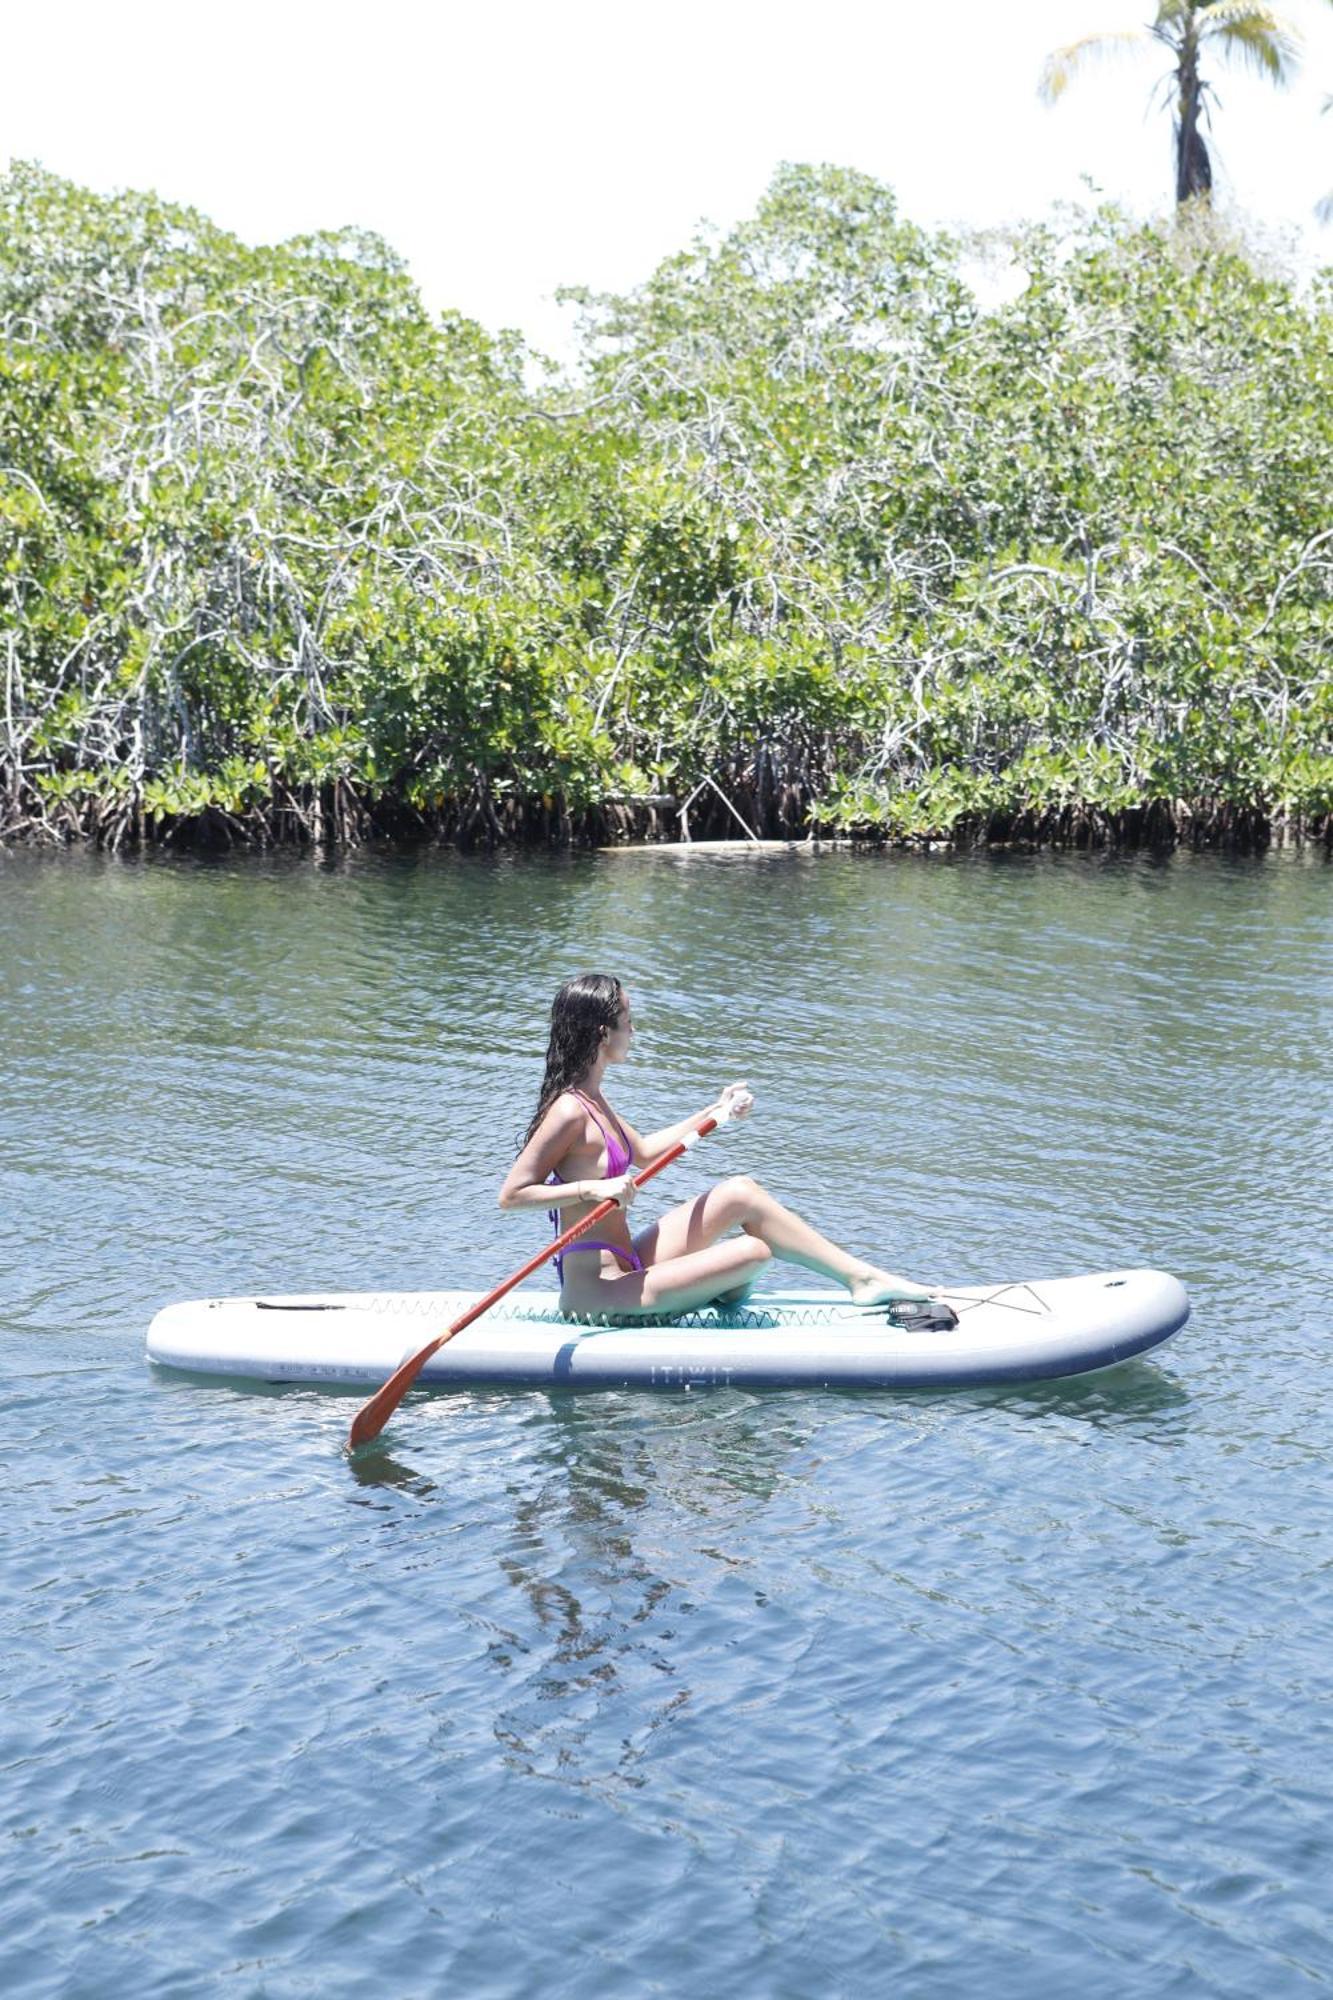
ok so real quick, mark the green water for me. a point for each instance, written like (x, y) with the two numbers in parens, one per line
(816, 1693)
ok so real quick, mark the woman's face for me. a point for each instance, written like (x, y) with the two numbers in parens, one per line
(620, 1038)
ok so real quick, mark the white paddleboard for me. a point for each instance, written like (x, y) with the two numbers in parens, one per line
(1024, 1331)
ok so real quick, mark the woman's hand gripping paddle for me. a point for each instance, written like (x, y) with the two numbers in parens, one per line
(371, 1418)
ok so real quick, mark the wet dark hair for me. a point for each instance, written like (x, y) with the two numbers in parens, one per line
(581, 1009)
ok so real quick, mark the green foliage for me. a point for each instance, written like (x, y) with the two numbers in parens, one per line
(279, 554)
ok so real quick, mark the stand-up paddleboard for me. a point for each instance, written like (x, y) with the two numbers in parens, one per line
(1019, 1332)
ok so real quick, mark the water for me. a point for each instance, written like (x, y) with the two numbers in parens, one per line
(781, 1694)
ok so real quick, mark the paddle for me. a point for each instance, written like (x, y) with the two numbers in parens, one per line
(371, 1418)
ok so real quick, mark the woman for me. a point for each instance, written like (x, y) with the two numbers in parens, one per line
(578, 1153)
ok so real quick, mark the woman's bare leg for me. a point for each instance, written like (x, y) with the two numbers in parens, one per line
(742, 1202)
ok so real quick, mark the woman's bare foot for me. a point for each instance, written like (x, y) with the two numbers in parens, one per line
(881, 1288)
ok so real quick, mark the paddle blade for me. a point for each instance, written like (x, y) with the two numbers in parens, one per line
(371, 1418)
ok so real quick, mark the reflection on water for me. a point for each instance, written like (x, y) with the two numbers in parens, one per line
(1009, 1690)
(585, 1557)
(1142, 1396)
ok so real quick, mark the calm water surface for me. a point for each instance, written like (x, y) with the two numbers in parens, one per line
(1020, 1691)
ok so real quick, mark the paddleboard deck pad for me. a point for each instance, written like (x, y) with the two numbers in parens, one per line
(1026, 1331)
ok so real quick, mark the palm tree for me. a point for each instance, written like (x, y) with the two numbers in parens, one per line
(1256, 37)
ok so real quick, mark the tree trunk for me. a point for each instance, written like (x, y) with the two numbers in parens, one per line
(1194, 171)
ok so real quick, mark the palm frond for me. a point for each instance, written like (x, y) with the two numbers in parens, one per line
(1258, 38)
(1177, 20)
(1063, 65)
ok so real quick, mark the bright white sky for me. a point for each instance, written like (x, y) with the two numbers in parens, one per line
(510, 147)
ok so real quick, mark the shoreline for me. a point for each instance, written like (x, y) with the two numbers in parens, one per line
(345, 823)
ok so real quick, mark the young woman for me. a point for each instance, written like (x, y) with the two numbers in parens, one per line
(578, 1153)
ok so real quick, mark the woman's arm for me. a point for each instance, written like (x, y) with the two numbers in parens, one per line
(525, 1185)
(656, 1143)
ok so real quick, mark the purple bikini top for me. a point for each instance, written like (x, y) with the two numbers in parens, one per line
(617, 1146)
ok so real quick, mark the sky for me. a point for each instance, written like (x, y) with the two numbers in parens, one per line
(507, 149)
